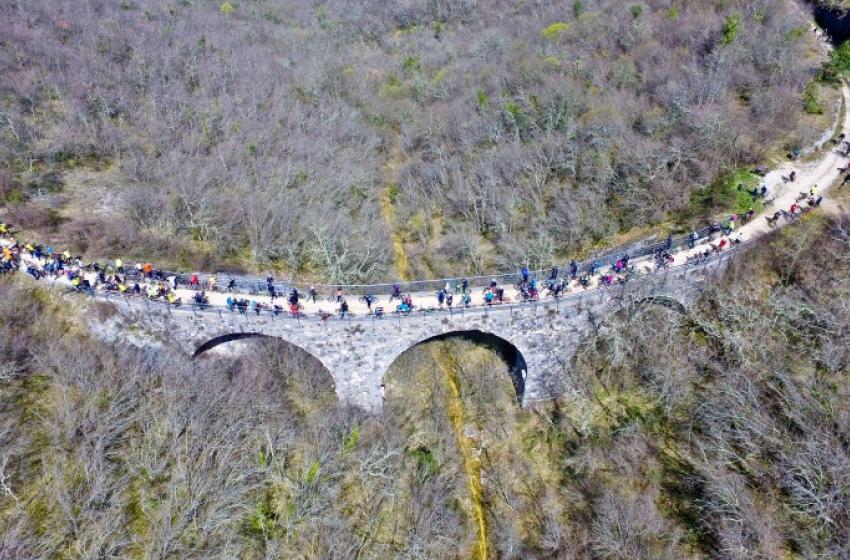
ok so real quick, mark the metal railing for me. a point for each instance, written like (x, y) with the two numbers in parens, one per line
(163, 308)
(256, 286)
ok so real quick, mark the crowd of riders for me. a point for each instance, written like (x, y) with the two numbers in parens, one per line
(143, 279)
(42, 261)
(805, 202)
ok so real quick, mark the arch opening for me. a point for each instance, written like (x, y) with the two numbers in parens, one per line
(508, 352)
(225, 338)
(299, 376)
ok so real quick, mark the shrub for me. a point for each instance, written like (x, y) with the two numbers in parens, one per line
(411, 64)
(393, 191)
(731, 28)
(795, 34)
(438, 29)
(838, 64)
(227, 8)
(554, 31)
(481, 98)
(578, 8)
(728, 193)
(811, 103)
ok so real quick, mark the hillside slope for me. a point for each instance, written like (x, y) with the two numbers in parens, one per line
(351, 142)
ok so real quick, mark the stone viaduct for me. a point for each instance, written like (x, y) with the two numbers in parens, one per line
(536, 339)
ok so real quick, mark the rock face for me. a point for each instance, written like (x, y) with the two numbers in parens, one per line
(540, 338)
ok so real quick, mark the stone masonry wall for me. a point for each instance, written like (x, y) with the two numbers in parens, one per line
(359, 351)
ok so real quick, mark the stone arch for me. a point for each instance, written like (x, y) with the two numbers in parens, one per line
(224, 338)
(507, 351)
(662, 301)
(299, 349)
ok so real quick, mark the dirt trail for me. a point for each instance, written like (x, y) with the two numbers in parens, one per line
(821, 174)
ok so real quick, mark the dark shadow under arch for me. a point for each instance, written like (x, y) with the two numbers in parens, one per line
(509, 353)
(213, 342)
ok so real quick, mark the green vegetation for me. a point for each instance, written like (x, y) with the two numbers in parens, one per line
(811, 102)
(555, 30)
(729, 193)
(481, 98)
(838, 65)
(578, 8)
(731, 29)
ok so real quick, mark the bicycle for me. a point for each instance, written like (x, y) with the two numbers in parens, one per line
(368, 300)
(336, 296)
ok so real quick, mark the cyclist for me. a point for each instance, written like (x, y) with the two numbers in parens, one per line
(396, 292)
(369, 299)
(489, 296)
(533, 289)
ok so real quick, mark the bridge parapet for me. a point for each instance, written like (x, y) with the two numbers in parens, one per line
(357, 352)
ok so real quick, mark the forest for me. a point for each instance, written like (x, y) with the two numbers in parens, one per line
(349, 142)
(381, 140)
